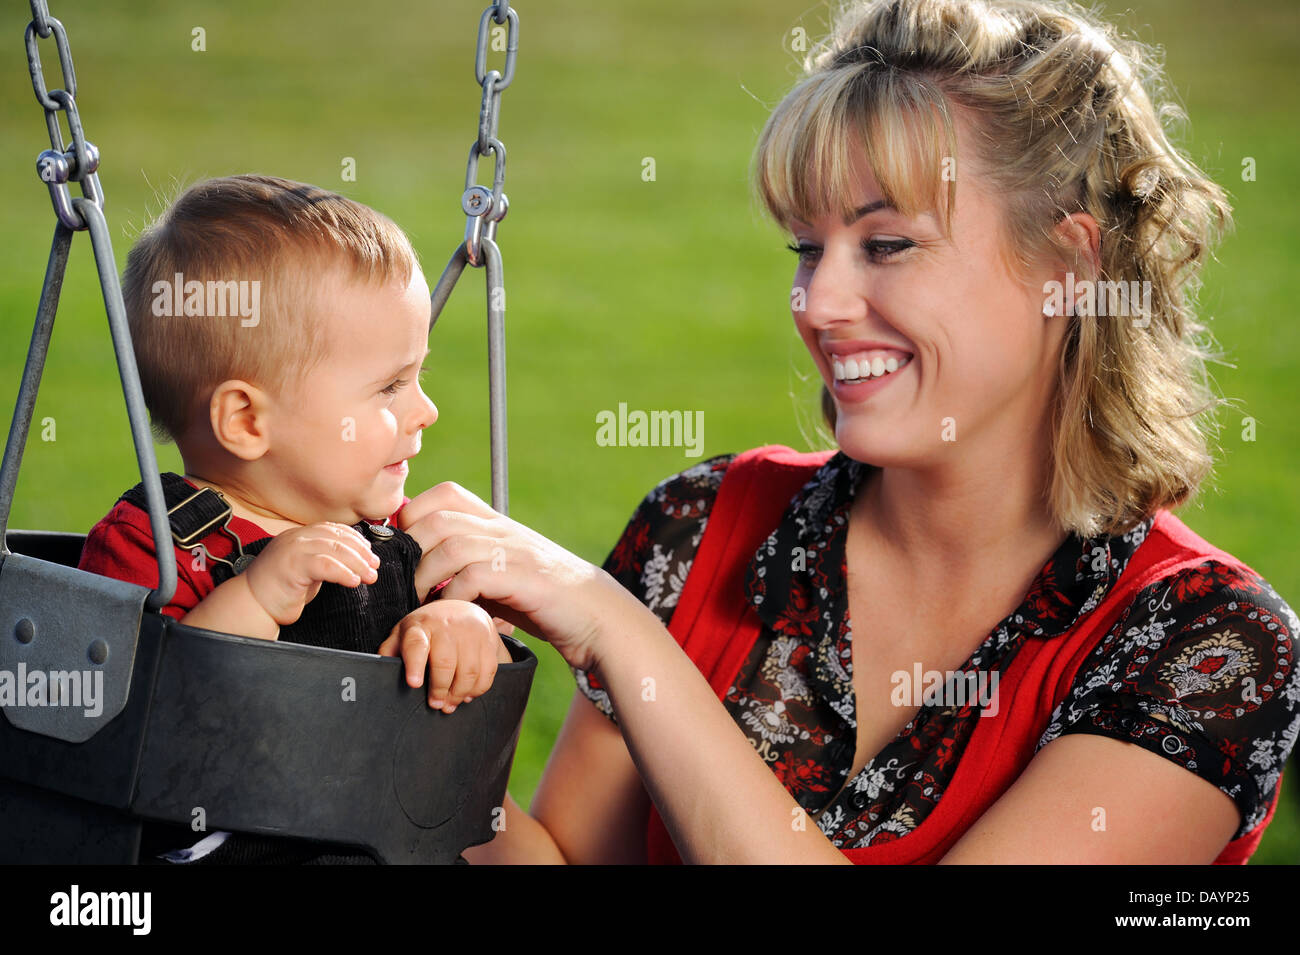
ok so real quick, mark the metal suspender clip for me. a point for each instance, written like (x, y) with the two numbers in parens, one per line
(189, 535)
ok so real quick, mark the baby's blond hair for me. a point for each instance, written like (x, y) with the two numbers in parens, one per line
(285, 235)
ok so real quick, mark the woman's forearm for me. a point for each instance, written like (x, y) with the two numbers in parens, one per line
(522, 841)
(719, 801)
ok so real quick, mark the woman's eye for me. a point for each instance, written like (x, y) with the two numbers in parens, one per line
(877, 249)
(804, 252)
(883, 248)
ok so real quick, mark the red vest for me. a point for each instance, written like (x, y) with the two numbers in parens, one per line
(717, 627)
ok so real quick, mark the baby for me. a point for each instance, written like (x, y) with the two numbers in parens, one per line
(279, 330)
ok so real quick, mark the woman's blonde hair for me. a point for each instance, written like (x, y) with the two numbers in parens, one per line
(1060, 108)
(287, 237)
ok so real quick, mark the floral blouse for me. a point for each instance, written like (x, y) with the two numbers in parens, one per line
(1184, 651)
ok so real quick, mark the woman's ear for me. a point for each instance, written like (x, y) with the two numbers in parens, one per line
(1079, 233)
(239, 414)
(1080, 230)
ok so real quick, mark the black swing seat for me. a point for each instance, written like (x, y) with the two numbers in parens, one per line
(241, 734)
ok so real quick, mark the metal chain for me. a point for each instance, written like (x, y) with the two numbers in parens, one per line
(57, 167)
(483, 209)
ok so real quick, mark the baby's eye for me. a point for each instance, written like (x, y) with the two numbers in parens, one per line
(401, 383)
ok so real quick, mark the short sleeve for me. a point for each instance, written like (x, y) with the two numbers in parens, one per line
(654, 554)
(119, 549)
(1201, 672)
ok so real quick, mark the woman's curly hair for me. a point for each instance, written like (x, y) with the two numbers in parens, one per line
(1066, 116)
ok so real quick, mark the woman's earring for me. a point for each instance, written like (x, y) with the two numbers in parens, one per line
(1049, 309)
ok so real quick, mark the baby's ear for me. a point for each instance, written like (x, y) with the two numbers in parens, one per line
(240, 415)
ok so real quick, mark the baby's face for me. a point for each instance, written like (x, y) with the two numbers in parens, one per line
(340, 440)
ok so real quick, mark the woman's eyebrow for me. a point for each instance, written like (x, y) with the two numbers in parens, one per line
(869, 208)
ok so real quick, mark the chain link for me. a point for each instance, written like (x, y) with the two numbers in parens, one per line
(483, 209)
(41, 18)
(57, 166)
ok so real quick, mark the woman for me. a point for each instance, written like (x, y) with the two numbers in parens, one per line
(982, 595)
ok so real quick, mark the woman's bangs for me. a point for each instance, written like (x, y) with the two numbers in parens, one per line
(808, 157)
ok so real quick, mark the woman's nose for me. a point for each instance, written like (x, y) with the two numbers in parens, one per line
(831, 291)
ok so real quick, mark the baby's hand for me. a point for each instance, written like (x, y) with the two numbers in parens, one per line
(285, 576)
(458, 643)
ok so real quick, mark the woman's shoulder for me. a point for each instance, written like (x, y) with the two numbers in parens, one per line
(690, 492)
(1199, 669)
(1213, 598)
(659, 542)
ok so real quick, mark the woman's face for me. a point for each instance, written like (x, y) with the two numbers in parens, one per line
(973, 354)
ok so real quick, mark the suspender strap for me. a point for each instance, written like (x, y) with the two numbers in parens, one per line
(194, 515)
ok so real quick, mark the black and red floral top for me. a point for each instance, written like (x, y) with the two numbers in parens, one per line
(1184, 650)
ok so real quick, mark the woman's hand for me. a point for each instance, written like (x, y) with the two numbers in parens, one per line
(513, 572)
(719, 800)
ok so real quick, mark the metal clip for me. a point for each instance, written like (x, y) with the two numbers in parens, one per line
(194, 539)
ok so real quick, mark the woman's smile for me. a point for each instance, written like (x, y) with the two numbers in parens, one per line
(856, 382)
(859, 368)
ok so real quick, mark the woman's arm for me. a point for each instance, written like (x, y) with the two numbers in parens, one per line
(719, 801)
(1137, 772)
(590, 806)
(1092, 800)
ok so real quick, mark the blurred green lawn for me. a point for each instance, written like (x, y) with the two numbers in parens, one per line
(669, 294)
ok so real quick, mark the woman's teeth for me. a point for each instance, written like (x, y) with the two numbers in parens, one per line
(863, 369)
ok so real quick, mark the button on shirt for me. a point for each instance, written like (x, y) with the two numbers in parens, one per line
(1168, 677)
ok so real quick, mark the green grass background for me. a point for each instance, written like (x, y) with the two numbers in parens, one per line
(669, 294)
